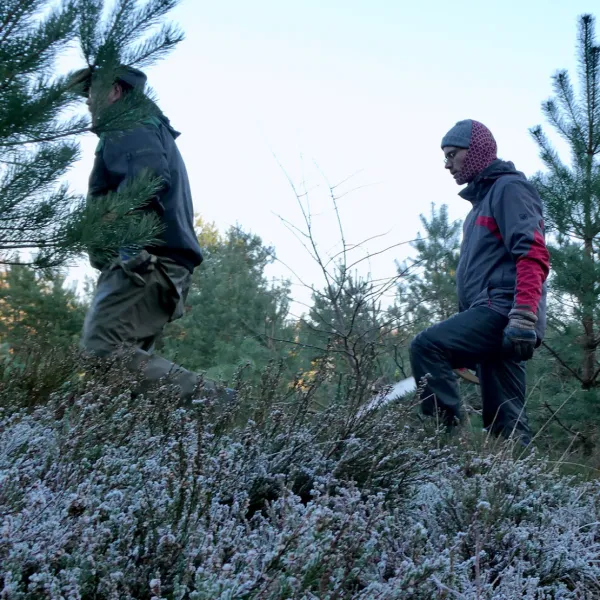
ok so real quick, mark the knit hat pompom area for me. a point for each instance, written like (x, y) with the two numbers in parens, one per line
(482, 148)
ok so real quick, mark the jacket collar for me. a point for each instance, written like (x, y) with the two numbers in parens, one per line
(479, 187)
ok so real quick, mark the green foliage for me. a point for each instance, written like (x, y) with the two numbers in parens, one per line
(35, 306)
(339, 320)
(427, 290)
(235, 313)
(32, 97)
(39, 217)
(561, 412)
(32, 155)
(346, 331)
(571, 196)
(113, 34)
(40, 323)
(127, 35)
(114, 215)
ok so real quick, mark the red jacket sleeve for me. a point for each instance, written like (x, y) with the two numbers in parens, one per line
(518, 213)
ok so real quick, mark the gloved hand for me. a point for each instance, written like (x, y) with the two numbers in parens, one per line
(137, 266)
(519, 338)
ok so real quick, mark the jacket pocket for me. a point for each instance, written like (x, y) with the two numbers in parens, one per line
(501, 298)
(176, 284)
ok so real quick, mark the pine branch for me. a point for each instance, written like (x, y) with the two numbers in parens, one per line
(34, 51)
(104, 224)
(552, 113)
(36, 213)
(588, 58)
(90, 16)
(127, 25)
(153, 48)
(55, 135)
(121, 14)
(13, 17)
(548, 154)
(566, 95)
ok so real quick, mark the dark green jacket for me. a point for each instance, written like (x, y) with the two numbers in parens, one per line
(122, 156)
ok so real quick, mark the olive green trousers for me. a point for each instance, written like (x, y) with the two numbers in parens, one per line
(133, 302)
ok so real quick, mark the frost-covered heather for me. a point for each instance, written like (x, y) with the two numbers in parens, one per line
(105, 496)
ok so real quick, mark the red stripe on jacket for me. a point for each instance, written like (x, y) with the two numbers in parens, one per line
(532, 268)
(532, 271)
(489, 223)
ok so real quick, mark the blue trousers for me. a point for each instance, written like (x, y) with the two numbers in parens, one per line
(471, 339)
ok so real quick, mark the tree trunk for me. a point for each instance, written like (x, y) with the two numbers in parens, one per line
(589, 344)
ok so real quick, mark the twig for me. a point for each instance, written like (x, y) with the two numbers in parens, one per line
(565, 427)
(563, 363)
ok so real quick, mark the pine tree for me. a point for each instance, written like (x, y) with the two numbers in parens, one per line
(37, 308)
(235, 311)
(346, 333)
(427, 291)
(571, 196)
(38, 214)
(353, 319)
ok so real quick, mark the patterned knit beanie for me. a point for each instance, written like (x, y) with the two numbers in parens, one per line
(481, 146)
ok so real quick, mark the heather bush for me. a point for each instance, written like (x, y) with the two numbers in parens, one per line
(105, 494)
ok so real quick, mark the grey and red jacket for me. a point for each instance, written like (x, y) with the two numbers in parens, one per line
(503, 261)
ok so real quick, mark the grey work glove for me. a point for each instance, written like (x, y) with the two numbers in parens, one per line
(519, 339)
(136, 267)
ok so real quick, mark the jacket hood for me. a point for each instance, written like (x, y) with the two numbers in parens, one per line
(153, 116)
(165, 121)
(486, 179)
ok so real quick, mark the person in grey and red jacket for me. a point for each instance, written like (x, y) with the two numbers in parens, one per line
(501, 285)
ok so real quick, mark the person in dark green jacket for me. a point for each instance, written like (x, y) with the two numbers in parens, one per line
(140, 291)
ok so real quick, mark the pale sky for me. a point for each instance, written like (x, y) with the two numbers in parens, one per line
(358, 88)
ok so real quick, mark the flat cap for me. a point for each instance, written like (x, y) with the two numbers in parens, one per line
(131, 76)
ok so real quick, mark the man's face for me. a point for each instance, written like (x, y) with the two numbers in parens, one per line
(454, 159)
(96, 101)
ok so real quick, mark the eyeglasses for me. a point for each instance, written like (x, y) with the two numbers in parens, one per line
(451, 155)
